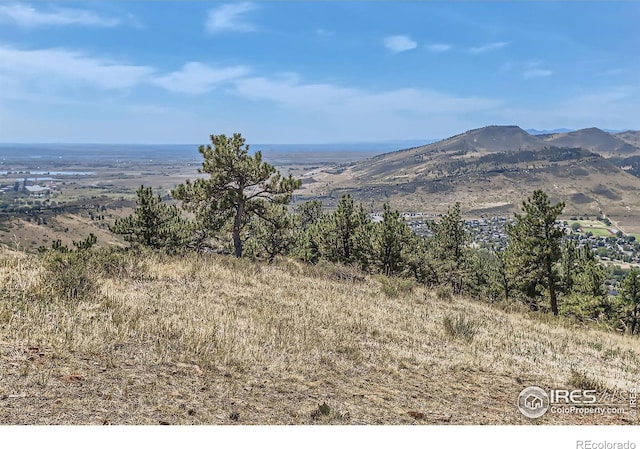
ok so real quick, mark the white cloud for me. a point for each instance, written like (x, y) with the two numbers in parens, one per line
(54, 73)
(537, 73)
(46, 68)
(148, 109)
(325, 112)
(291, 92)
(505, 67)
(613, 107)
(399, 43)
(27, 16)
(198, 78)
(322, 32)
(439, 48)
(612, 72)
(230, 17)
(487, 47)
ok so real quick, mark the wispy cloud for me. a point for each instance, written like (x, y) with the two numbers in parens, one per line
(353, 112)
(230, 17)
(27, 16)
(148, 109)
(505, 67)
(323, 32)
(399, 43)
(48, 68)
(613, 107)
(439, 48)
(54, 71)
(292, 92)
(487, 47)
(198, 78)
(533, 71)
(611, 72)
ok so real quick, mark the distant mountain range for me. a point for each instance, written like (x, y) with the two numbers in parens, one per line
(492, 169)
(536, 132)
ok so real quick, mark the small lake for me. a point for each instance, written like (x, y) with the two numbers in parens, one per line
(50, 173)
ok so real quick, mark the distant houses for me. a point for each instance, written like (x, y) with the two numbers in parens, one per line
(37, 191)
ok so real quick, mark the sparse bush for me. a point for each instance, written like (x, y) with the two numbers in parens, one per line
(460, 327)
(118, 263)
(325, 414)
(443, 293)
(334, 271)
(583, 381)
(67, 276)
(393, 287)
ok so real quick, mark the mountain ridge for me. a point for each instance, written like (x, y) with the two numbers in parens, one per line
(490, 170)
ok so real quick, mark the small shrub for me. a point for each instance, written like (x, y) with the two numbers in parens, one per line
(118, 263)
(444, 293)
(460, 327)
(325, 413)
(334, 272)
(394, 287)
(583, 381)
(511, 306)
(67, 276)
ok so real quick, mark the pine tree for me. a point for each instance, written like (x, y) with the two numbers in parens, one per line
(309, 213)
(419, 260)
(390, 236)
(153, 224)
(451, 248)
(534, 248)
(568, 265)
(274, 232)
(631, 296)
(309, 217)
(502, 277)
(345, 234)
(86, 244)
(239, 188)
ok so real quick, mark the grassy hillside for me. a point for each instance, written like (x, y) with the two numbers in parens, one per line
(214, 340)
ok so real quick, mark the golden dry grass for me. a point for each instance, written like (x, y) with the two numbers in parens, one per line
(214, 340)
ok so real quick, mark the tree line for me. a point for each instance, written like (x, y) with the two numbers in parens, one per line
(242, 208)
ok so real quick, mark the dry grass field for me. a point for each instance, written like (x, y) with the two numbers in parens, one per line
(214, 340)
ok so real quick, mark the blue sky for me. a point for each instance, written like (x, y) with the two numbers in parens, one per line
(312, 72)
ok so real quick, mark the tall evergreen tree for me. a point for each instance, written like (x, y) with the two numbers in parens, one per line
(568, 265)
(451, 248)
(153, 224)
(390, 238)
(420, 263)
(309, 218)
(239, 188)
(631, 297)
(502, 277)
(345, 234)
(534, 248)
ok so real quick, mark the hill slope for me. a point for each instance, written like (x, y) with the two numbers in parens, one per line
(490, 171)
(593, 139)
(631, 137)
(213, 340)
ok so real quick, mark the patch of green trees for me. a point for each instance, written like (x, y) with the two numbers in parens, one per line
(243, 208)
